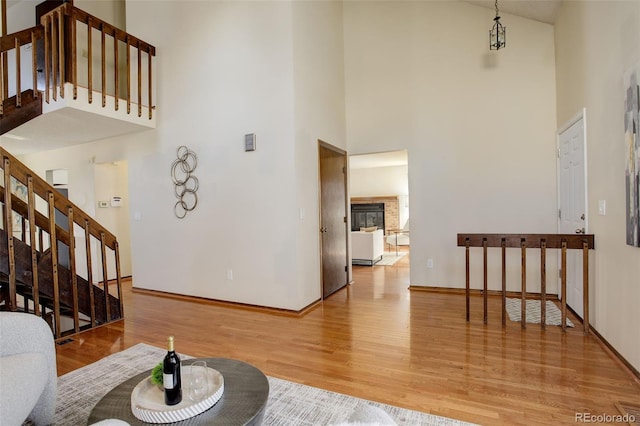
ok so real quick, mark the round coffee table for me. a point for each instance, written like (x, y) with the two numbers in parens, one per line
(246, 390)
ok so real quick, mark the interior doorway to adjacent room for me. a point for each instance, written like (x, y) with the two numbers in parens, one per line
(381, 181)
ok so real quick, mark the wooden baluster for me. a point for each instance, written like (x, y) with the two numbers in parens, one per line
(116, 70)
(104, 66)
(23, 229)
(33, 242)
(87, 237)
(139, 80)
(484, 279)
(563, 283)
(105, 277)
(54, 56)
(34, 67)
(4, 63)
(53, 245)
(523, 290)
(3, 75)
(119, 281)
(61, 46)
(467, 291)
(150, 84)
(74, 54)
(128, 75)
(543, 284)
(90, 58)
(72, 272)
(18, 82)
(8, 227)
(503, 245)
(585, 286)
(47, 57)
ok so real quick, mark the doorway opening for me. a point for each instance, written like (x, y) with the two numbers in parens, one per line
(379, 195)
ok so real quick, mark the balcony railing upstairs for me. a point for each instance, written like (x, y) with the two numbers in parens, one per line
(71, 47)
(40, 227)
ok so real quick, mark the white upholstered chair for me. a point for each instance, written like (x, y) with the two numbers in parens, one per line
(28, 381)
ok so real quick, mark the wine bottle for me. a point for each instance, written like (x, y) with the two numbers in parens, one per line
(172, 381)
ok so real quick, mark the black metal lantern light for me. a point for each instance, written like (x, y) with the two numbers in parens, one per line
(498, 34)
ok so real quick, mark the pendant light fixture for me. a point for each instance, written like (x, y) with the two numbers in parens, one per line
(498, 34)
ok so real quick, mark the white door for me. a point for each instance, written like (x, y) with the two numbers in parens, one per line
(572, 201)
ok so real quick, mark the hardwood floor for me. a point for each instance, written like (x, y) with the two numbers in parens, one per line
(378, 340)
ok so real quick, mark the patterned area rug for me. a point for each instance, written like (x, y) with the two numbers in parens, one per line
(553, 315)
(289, 403)
(389, 259)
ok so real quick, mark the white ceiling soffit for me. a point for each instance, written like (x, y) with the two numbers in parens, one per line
(61, 128)
(539, 10)
(380, 159)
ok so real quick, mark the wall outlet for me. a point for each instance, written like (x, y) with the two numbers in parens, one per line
(430, 263)
(230, 274)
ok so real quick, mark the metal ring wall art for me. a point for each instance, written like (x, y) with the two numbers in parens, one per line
(186, 183)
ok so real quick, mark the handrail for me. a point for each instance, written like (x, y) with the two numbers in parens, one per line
(7, 42)
(563, 242)
(55, 34)
(15, 41)
(41, 188)
(56, 202)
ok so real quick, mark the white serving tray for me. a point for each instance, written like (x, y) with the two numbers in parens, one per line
(147, 400)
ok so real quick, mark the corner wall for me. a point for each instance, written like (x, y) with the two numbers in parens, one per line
(597, 42)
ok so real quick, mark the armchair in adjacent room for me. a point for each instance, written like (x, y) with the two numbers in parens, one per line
(28, 374)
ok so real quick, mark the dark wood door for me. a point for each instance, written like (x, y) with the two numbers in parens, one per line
(333, 214)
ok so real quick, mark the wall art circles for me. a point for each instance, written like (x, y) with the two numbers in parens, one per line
(186, 184)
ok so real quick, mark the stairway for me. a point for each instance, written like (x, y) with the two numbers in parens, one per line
(24, 281)
(32, 242)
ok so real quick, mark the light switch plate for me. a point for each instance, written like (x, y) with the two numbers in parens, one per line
(602, 207)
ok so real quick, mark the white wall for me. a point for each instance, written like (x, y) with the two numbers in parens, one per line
(112, 179)
(224, 70)
(380, 181)
(597, 42)
(21, 15)
(318, 73)
(479, 125)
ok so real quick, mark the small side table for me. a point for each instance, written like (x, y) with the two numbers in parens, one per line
(396, 232)
(246, 390)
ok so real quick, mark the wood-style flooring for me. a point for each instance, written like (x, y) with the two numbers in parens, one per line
(380, 341)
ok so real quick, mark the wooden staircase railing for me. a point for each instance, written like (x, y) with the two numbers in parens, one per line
(55, 34)
(42, 270)
(10, 106)
(563, 242)
(59, 63)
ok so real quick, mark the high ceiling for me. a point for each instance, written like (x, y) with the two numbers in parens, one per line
(538, 10)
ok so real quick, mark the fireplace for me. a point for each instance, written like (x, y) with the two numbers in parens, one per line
(367, 215)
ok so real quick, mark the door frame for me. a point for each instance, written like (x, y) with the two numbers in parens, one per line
(579, 116)
(343, 153)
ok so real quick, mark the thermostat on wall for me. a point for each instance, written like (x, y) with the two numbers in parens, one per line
(116, 201)
(250, 142)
